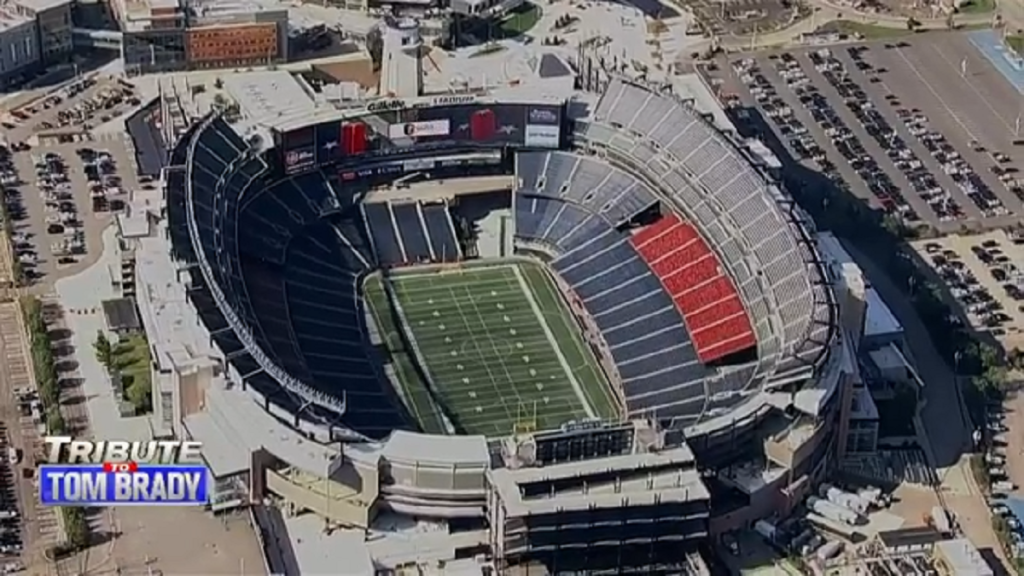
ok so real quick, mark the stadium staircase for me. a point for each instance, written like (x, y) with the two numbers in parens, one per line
(692, 275)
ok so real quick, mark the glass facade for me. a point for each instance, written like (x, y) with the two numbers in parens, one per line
(154, 51)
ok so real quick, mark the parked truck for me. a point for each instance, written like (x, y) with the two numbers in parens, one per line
(940, 520)
(843, 498)
(833, 511)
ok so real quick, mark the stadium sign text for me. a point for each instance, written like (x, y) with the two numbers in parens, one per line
(67, 450)
(450, 100)
(385, 105)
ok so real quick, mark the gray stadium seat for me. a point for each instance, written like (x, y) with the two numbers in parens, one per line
(291, 278)
(410, 229)
(441, 231)
(641, 325)
(381, 225)
(732, 204)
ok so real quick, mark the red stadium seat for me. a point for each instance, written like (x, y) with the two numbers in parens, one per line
(683, 255)
(645, 235)
(725, 345)
(714, 313)
(692, 275)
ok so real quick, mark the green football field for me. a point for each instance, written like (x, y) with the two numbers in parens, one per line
(500, 348)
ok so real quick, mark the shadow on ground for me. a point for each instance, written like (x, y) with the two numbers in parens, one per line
(866, 231)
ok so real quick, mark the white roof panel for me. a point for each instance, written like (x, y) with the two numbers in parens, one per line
(405, 446)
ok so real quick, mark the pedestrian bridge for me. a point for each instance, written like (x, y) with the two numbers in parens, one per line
(104, 39)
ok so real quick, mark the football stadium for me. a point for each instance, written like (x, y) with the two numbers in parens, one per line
(592, 338)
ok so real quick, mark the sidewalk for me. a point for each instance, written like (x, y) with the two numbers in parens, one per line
(829, 12)
(81, 296)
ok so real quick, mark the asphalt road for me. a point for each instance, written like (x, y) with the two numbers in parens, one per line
(24, 129)
(851, 177)
(856, 184)
(877, 94)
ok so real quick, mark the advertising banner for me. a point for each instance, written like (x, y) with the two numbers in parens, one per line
(329, 146)
(543, 115)
(297, 160)
(542, 136)
(392, 128)
(420, 129)
(298, 150)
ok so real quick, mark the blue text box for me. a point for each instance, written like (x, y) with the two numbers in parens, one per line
(150, 485)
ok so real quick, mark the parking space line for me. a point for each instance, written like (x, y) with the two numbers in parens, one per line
(974, 89)
(928, 85)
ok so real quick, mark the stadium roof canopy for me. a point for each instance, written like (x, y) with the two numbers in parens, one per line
(265, 95)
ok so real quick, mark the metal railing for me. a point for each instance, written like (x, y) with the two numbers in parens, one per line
(303, 391)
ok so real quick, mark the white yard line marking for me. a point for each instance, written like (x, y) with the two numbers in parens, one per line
(554, 344)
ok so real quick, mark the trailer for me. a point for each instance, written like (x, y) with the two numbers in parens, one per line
(834, 512)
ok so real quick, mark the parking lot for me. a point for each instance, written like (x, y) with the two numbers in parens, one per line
(18, 414)
(60, 199)
(985, 275)
(872, 118)
(75, 109)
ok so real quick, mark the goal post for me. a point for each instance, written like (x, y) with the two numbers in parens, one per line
(526, 418)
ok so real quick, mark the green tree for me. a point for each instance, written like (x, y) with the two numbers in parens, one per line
(104, 350)
(139, 393)
(55, 422)
(76, 527)
(43, 363)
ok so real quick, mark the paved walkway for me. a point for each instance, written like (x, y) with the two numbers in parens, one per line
(828, 12)
(80, 296)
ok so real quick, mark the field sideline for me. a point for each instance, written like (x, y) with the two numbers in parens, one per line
(500, 347)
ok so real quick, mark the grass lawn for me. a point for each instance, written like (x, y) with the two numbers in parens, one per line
(499, 347)
(1016, 43)
(521, 20)
(132, 360)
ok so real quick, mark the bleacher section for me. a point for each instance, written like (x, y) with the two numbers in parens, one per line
(411, 233)
(588, 182)
(744, 218)
(692, 275)
(437, 220)
(280, 294)
(645, 332)
(151, 152)
(380, 222)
